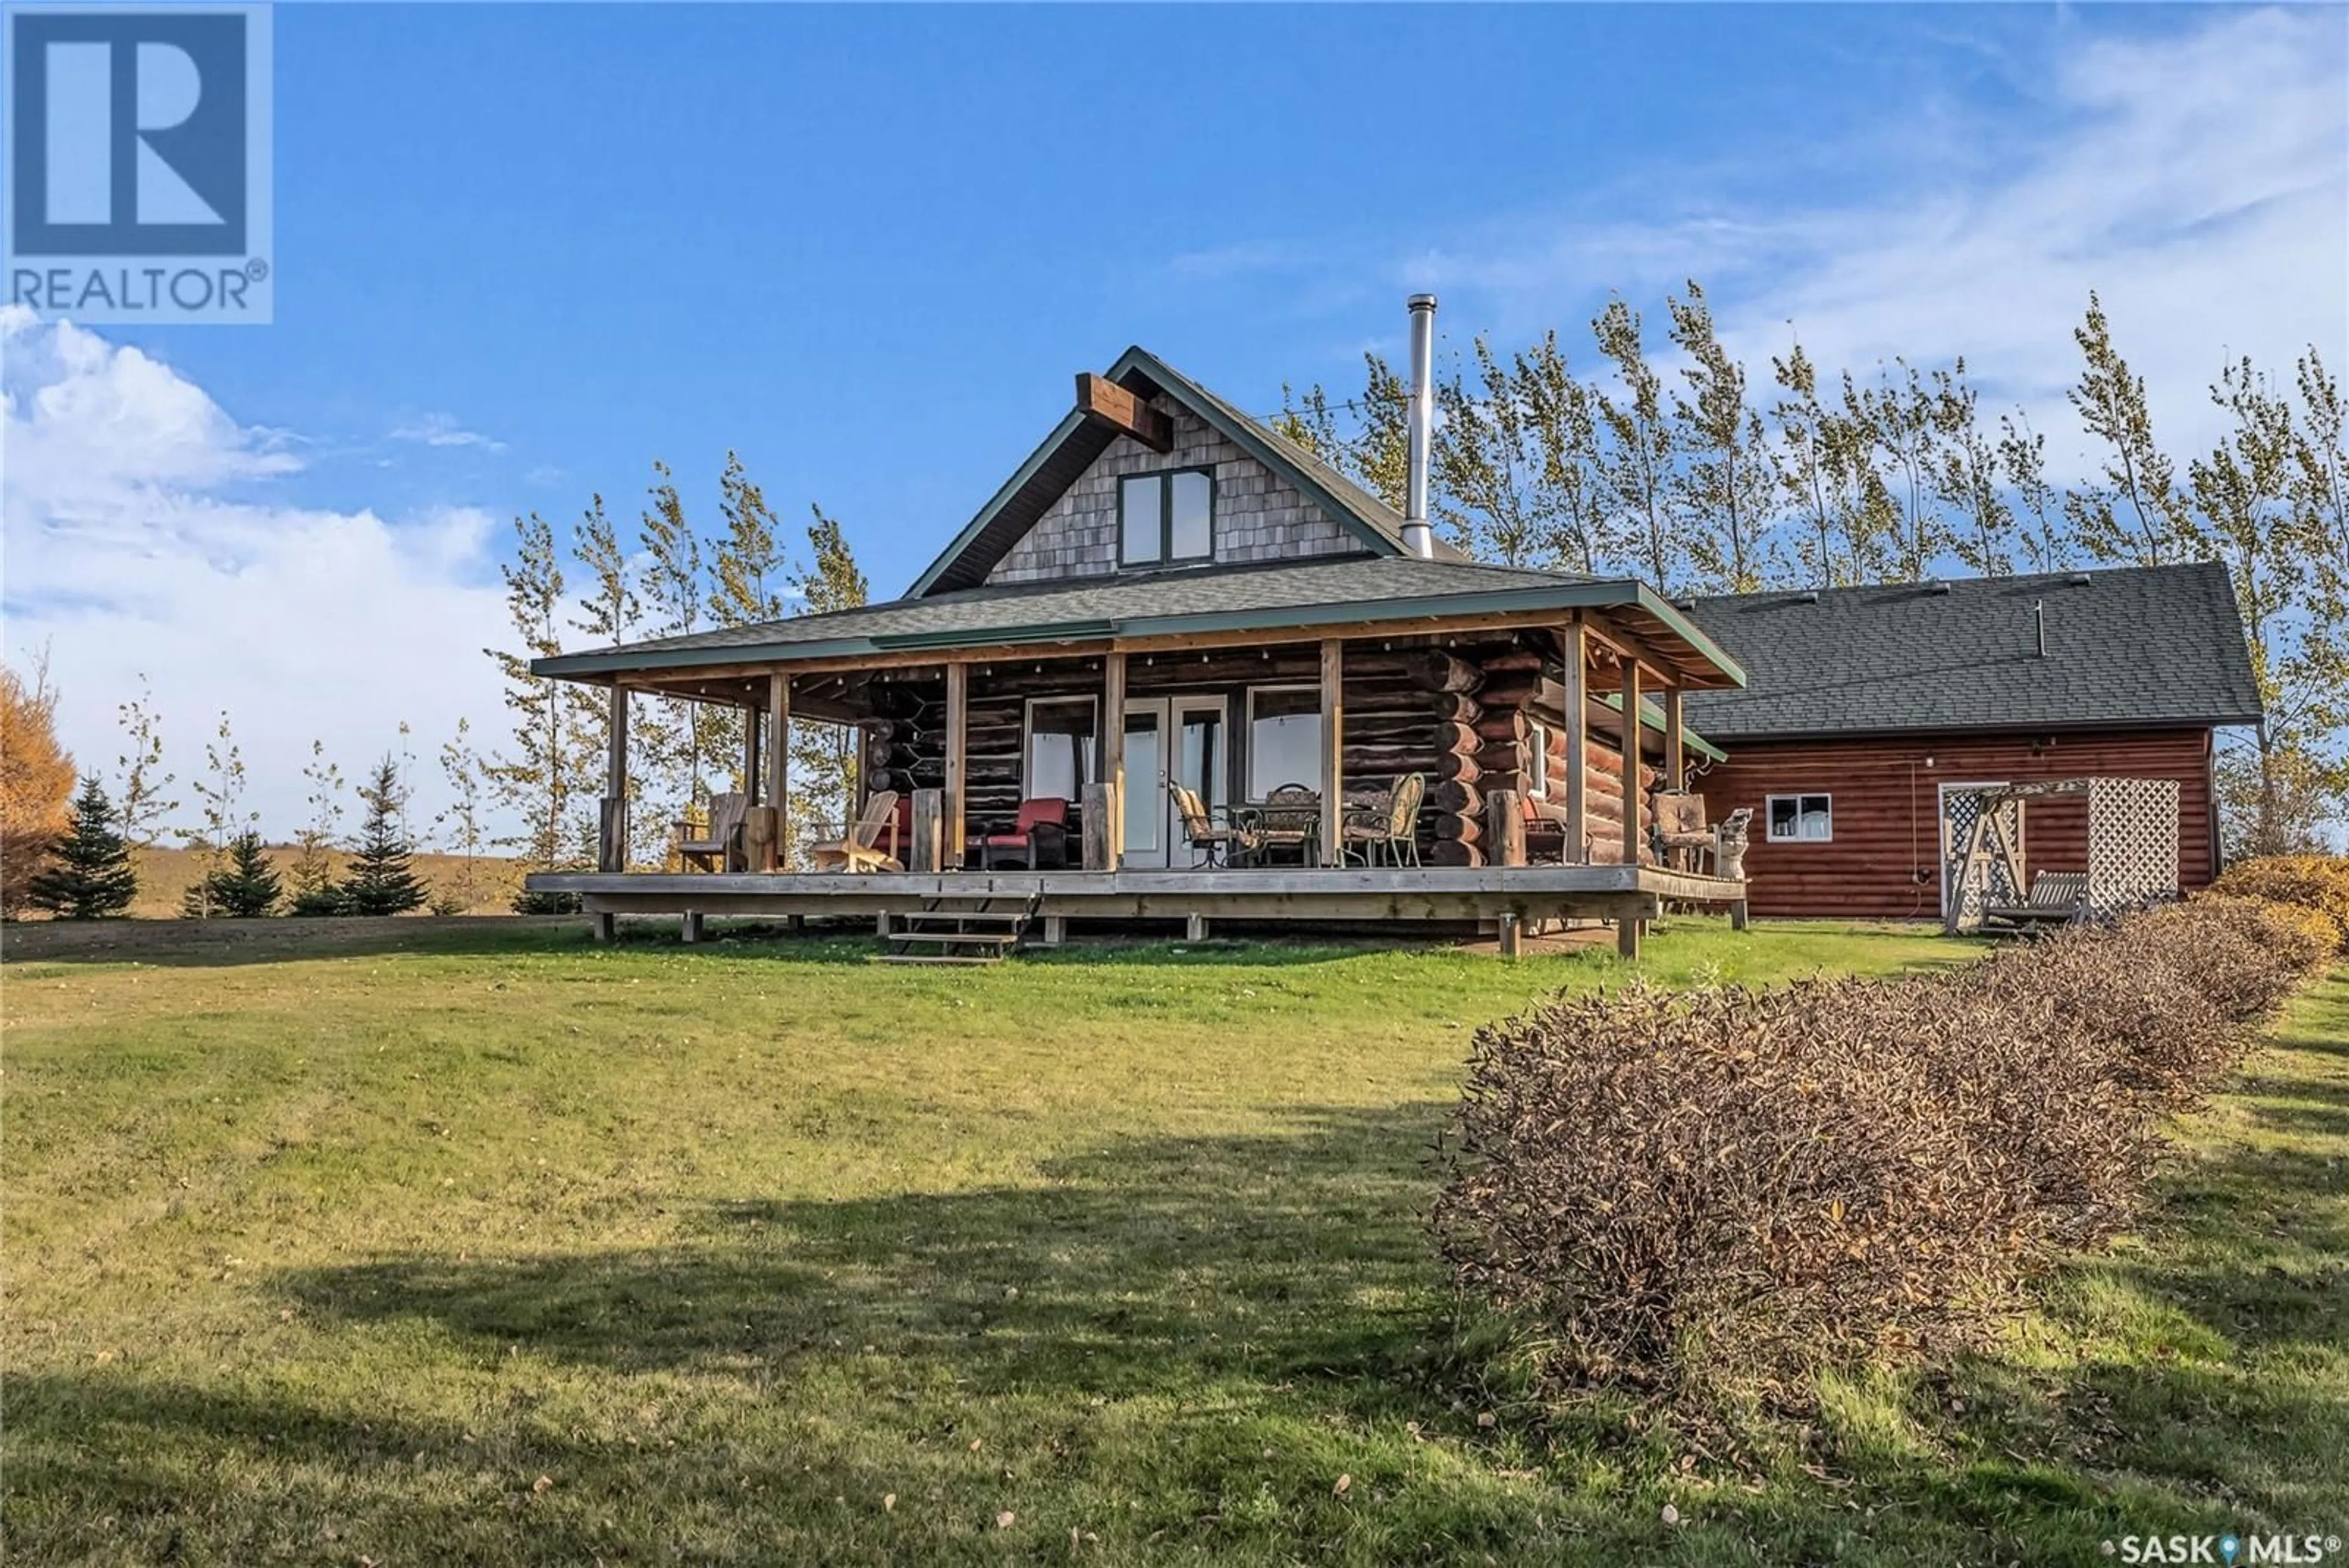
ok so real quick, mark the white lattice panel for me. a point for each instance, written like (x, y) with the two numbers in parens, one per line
(2132, 843)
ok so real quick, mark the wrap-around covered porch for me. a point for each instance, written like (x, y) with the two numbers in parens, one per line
(1500, 757)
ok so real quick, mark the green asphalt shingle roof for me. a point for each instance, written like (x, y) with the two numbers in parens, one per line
(2134, 646)
(1328, 590)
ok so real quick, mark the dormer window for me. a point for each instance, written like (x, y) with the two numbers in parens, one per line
(1167, 517)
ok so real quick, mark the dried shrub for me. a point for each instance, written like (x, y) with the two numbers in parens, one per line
(1709, 1197)
(2314, 882)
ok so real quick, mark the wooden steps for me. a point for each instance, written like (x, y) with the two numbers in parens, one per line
(962, 931)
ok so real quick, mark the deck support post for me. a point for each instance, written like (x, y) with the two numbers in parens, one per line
(753, 758)
(1738, 917)
(692, 924)
(1675, 742)
(1113, 751)
(929, 826)
(957, 730)
(1634, 733)
(1505, 829)
(1511, 936)
(1097, 831)
(1626, 936)
(1575, 650)
(1056, 930)
(604, 925)
(1194, 928)
(779, 764)
(881, 924)
(612, 835)
(1333, 750)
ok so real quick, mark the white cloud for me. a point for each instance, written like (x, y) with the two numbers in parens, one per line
(444, 429)
(2197, 180)
(143, 537)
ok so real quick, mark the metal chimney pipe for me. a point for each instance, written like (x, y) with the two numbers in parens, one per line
(1417, 538)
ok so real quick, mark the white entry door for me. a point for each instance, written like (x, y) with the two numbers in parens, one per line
(1177, 740)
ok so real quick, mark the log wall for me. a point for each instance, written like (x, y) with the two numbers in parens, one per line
(1884, 861)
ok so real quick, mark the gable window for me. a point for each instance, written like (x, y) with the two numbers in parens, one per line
(1166, 517)
(1061, 749)
(1802, 818)
(1284, 738)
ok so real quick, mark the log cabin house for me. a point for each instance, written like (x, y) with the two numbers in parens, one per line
(1872, 715)
(1166, 592)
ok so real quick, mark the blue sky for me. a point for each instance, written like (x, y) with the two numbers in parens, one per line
(524, 251)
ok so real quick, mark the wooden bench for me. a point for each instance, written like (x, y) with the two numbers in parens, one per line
(2056, 899)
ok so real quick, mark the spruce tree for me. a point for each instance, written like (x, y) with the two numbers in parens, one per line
(382, 882)
(245, 886)
(90, 877)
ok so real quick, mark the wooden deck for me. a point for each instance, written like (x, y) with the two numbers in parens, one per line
(1504, 895)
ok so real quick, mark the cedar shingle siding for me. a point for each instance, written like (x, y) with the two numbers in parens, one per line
(1259, 517)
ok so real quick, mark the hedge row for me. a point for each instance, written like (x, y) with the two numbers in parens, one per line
(2316, 884)
(1706, 1197)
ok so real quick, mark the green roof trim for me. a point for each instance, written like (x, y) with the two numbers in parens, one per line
(1651, 717)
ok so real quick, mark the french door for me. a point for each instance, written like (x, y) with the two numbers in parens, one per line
(1169, 740)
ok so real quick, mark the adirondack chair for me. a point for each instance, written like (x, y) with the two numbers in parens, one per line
(1389, 829)
(719, 847)
(2056, 899)
(872, 842)
(1213, 845)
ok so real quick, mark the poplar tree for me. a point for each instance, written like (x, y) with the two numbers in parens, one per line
(1639, 460)
(145, 806)
(219, 794)
(608, 612)
(1726, 487)
(684, 740)
(314, 891)
(824, 759)
(2135, 515)
(1484, 470)
(460, 822)
(2039, 509)
(1808, 478)
(1899, 416)
(2244, 492)
(543, 777)
(1561, 419)
(1969, 475)
(88, 876)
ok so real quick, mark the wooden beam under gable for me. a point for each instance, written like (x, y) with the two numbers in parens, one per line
(1103, 400)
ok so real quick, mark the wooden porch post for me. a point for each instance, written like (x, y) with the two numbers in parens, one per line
(1112, 744)
(1675, 745)
(612, 845)
(753, 761)
(1576, 650)
(1632, 734)
(958, 723)
(1333, 748)
(778, 760)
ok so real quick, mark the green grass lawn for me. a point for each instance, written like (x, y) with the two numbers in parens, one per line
(497, 1248)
